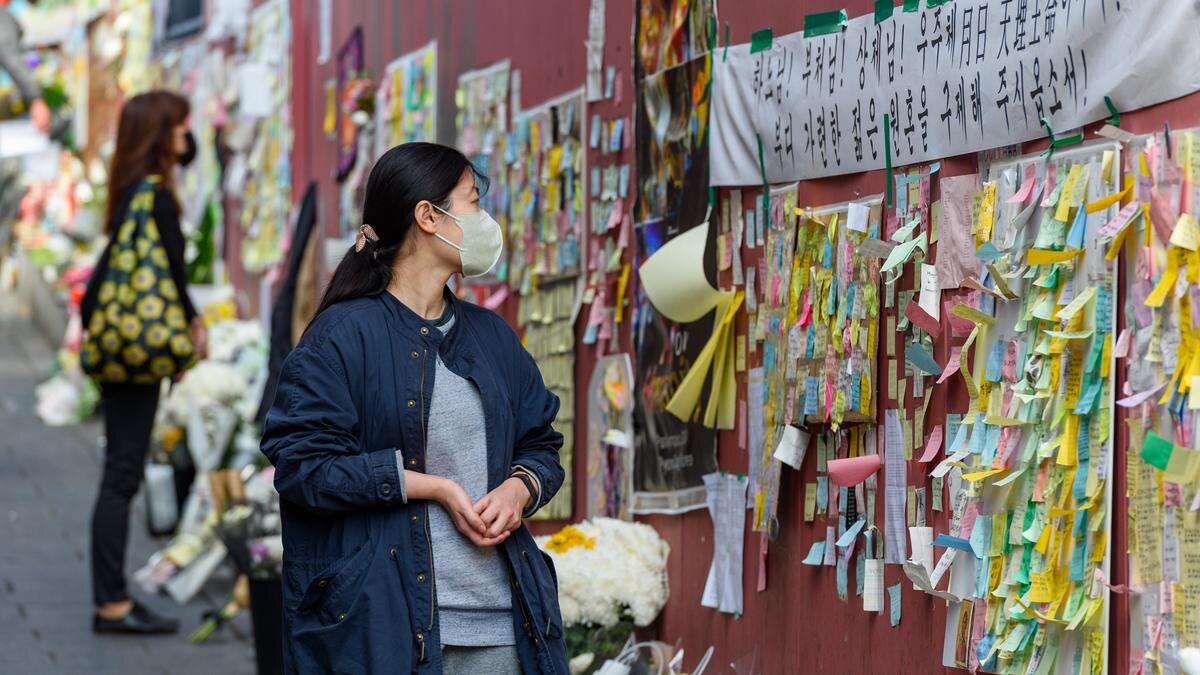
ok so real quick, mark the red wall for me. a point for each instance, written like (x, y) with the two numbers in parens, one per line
(798, 624)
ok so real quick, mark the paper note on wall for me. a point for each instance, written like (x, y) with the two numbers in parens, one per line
(674, 278)
(956, 245)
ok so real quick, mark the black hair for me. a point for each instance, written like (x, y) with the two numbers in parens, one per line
(401, 178)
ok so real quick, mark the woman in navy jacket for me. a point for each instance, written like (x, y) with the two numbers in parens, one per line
(410, 434)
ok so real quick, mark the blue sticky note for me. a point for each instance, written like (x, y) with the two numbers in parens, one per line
(614, 144)
(1075, 236)
(960, 436)
(978, 435)
(854, 404)
(957, 543)
(822, 494)
(816, 554)
(922, 359)
(595, 180)
(623, 182)
(894, 603)
(952, 422)
(594, 137)
(851, 533)
(981, 537)
(988, 252)
(810, 394)
(861, 574)
(995, 360)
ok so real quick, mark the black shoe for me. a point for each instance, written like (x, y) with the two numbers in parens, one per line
(139, 621)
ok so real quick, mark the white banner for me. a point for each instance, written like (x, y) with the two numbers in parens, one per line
(959, 78)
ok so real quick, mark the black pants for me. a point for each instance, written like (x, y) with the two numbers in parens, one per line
(128, 421)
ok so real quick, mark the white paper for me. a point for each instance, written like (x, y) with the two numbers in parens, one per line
(793, 443)
(856, 217)
(931, 294)
(20, 137)
(1123, 46)
(726, 504)
(324, 30)
(922, 548)
(254, 90)
(873, 585)
(896, 492)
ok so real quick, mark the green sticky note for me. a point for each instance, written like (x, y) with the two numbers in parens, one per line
(824, 23)
(883, 10)
(761, 40)
(1157, 451)
(887, 151)
(912, 5)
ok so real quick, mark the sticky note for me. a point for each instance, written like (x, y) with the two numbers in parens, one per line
(894, 594)
(816, 554)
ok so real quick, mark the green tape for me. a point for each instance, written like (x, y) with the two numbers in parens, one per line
(1115, 119)
(725, 52)
(935, 3)
(761, 40)
(712, 195)
(762, 167)
(912, 5)
(1067, 140)
(883, 10)
(712, 33)
(887, 148)
(824, 23)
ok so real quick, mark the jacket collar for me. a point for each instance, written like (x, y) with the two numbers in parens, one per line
(419, 328)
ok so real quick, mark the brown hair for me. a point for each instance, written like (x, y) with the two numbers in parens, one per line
(145, 145)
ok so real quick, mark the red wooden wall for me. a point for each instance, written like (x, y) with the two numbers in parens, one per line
(798, 624)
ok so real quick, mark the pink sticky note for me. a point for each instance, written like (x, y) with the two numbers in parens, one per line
(596, 313)
(617, 89)
(606, 324)
(614, 217)
(775, 289)
(623, 237)
(922, 319)
(762, 562)
(1162, 215)
(628, 134)
(828, 398)
(1026, 187)
(951, 365)
(806, 313)
(497, 297)
(1140, 397)
(1123, 343)
(854, 470)
(933, 446)
(1048, 189)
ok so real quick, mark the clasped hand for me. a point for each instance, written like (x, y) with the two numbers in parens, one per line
(492, 519)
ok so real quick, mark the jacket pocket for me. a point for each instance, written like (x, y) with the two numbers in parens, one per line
(330, 595)
(544, 591)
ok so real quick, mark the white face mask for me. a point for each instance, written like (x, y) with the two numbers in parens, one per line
(482, 241)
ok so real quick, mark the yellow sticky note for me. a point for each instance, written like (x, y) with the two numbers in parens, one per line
(1041, 256)
(912, 506)
(1063, 212)
(741, 353)
(976, 476)
(1081, 300)
(810, 501)
(1186, 234)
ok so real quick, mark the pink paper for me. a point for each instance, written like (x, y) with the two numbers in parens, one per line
(958, 326)
(775, 289)
(623, 238)
(951, 365)
(617, 89)
(828, 398)
(497, 298)
(1123, 343)
(956, 244)
(606, 325)
(628, 134)
(806, 313)
(1140, 397)
(596, 313)
(1115, 225)
(614, 217)
(933, 446)
(1026, 187)
(1161, 215)
(922, 319)
(854, 470)
(1048, 189)
(1141, 290)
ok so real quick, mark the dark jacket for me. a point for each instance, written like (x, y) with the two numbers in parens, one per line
(358, 583)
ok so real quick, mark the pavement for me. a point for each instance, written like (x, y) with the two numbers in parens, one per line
(48, 482)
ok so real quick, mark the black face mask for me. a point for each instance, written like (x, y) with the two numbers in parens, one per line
(189, 154)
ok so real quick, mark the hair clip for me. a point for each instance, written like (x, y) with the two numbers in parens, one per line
(365, 233)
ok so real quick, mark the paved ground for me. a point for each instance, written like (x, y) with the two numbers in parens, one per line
(48, 480)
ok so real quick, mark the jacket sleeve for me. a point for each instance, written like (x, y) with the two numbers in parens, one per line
(310, 436)
(538, 444)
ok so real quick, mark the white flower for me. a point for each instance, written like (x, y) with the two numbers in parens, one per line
(625, 569)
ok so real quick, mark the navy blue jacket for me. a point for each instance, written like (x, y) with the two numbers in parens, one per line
(358, 577)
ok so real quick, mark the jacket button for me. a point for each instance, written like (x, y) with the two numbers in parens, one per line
(414, 519)
(322, 583)
(385, 489)
(421, 577)
(412, 462)
(392, 552)
(412, 403)
(342, 617)
(415, 354)
(424, 330)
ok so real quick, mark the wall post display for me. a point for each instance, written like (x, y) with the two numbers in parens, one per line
(610, 439)
(951, 79)
(546, 240)
(406, 100)
(672, 72)
(1160, 347)
(482, 124)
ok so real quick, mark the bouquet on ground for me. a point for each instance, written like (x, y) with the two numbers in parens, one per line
(612, 577)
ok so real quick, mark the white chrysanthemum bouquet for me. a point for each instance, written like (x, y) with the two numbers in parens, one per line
(612, 575)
